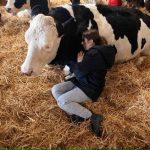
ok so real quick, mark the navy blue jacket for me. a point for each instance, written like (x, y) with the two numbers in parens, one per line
(90, 73)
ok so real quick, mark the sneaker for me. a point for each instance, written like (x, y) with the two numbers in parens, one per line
(76, 119)
(96, 125)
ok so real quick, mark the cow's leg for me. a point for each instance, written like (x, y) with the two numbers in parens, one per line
(146, 52)
(142, 57)
(139, 61)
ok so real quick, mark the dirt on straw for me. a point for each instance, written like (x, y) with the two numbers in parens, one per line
(30, 117)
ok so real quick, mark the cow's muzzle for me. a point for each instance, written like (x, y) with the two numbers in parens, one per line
(8, 10)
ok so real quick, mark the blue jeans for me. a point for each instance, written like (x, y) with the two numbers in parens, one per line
(69, 97)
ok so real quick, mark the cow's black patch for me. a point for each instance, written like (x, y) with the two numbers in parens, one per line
(68, 49)
(59, 14)
(83, 17)
(39, 6)
(70, 43)
(65, 25)
(143, 42)
(19, 3)
(125, 22)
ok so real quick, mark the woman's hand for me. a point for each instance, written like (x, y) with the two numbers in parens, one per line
(80, 56)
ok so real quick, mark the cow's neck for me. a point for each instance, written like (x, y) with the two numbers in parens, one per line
(65, 23)
(84, 18)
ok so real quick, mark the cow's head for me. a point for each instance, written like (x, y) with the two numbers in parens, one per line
(43, 42)
(13, 6)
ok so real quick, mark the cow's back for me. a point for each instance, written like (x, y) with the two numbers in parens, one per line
(127, 29)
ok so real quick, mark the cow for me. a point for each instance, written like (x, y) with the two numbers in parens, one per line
(138, 4)
(57, 38)
(37, 6)
(147, 5)
(104, 2)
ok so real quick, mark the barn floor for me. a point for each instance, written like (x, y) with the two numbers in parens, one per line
(30, 117)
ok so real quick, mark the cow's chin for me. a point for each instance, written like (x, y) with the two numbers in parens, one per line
(31, 71)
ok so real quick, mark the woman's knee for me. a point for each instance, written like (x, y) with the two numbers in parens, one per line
(61, 102)
(55, 89)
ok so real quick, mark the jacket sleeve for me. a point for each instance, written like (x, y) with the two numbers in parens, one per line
(83, 68)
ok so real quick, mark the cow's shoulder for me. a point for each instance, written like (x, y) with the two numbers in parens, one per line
(60, 14)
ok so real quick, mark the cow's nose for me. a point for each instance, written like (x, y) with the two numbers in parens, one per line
(8, 10)
(27, 73)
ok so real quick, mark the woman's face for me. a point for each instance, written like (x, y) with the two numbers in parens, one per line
(87, 44)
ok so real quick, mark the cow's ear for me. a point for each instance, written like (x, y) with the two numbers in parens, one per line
(50, 21)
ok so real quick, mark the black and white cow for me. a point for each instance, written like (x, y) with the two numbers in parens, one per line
(147, 5)
(139, 4)
(37, 6)
(57, 38)
(136, 3)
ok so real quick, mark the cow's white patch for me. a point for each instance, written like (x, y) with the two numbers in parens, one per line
(90, 25)
(104, 27)
(43, 42)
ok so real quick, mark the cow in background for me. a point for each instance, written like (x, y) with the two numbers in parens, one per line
(139, 4)
(37, 6)
(147, 5)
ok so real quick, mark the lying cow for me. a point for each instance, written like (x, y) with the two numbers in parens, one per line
(57, 38)
(139, 4)
(37, 6)
(147, 5)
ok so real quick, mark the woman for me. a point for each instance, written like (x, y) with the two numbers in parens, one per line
(88, 83)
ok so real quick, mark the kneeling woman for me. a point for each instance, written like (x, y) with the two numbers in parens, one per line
(88, 83)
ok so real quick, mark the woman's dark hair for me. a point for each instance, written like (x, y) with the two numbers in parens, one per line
(93, 34)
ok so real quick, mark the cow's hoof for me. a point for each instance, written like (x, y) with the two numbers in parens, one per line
(140, 60)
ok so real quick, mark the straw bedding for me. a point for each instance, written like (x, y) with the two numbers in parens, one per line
(30, 117)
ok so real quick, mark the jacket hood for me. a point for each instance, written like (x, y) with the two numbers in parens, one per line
(108, 53)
